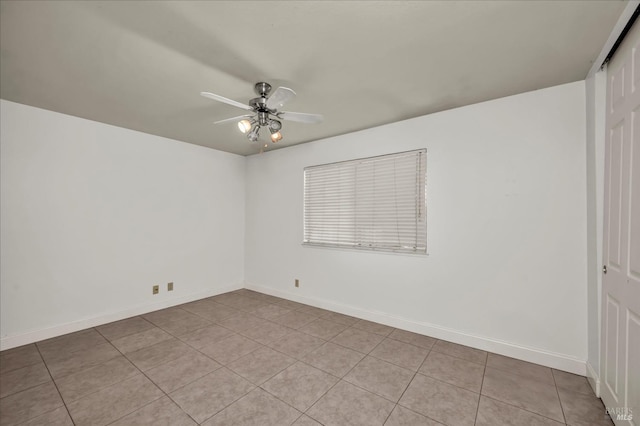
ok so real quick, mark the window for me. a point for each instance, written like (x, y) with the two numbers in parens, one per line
(375, 203)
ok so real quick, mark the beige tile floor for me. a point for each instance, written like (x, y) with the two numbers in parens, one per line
(245, 358)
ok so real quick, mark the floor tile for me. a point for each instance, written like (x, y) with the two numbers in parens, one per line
(181, 371)
(455, 371)
(257, 408)
(162, 411)
(241, 322)
(322, 328)
(205, 336)
(415, 339)
(77, 385)
(183, 324)
(373, 327)
(264, 297)
(244, 292)
(459, 351)
(305, 420)
(135, 342)
(159, 353)
(317, 312)
(297, 344)
(401, 416)
(358, 340)
(228, 299)
(346, 404)
(521, 368)
(57, 417)
(572, 382)
(300, 385)
(210, 310)
(340, 318)
(245, 303)
(260, 365)
(165, 316)
(580, 409)
(115, 401)
(230, 348)
(530, 395)
(28, 404)
(23, 378)
(380, 377)
(118, 329)
(492, 413)
(400, 353)
(295, 319)
(270, 312)
(289, 304)
(272, 368)
(19, 357)
(266, 332)
(333, 359)
(58, 348)
(82, 359)
(440, 401)
(208, 395)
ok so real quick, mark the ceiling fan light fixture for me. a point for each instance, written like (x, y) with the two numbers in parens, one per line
(274, 125)
(244, 125)
(275, 135)
(253, 134)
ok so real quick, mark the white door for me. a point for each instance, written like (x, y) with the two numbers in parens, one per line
(621, 283)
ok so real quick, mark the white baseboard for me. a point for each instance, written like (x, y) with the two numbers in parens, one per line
(537, 356)
(32, 336)
(594, 379)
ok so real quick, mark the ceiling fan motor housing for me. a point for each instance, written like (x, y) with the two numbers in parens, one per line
(262, 89)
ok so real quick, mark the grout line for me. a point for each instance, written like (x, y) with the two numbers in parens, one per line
(56, 386)
(409, 384)
(558, 394)
(336, 383)
(232, 402)
(141, 372)
(484, 370)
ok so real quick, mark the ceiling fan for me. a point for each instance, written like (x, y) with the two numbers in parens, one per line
(265, 111)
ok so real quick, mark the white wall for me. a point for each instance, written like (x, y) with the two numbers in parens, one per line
(506, 269)
(93, 215)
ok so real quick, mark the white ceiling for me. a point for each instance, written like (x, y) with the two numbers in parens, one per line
(142, 65)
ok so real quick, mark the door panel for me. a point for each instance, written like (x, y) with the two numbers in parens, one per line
(634, 235)
(611, 360)
(616, 150)
(621, 283)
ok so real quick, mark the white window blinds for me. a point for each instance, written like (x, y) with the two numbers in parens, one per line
(375, 203)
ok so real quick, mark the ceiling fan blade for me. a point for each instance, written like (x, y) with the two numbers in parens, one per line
(279, 97)
(301, 117)
(240, 117)
(225, 100)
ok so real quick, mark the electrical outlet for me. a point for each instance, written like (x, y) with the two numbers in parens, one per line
(297, 284)
(156, 289)
(169, 286)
